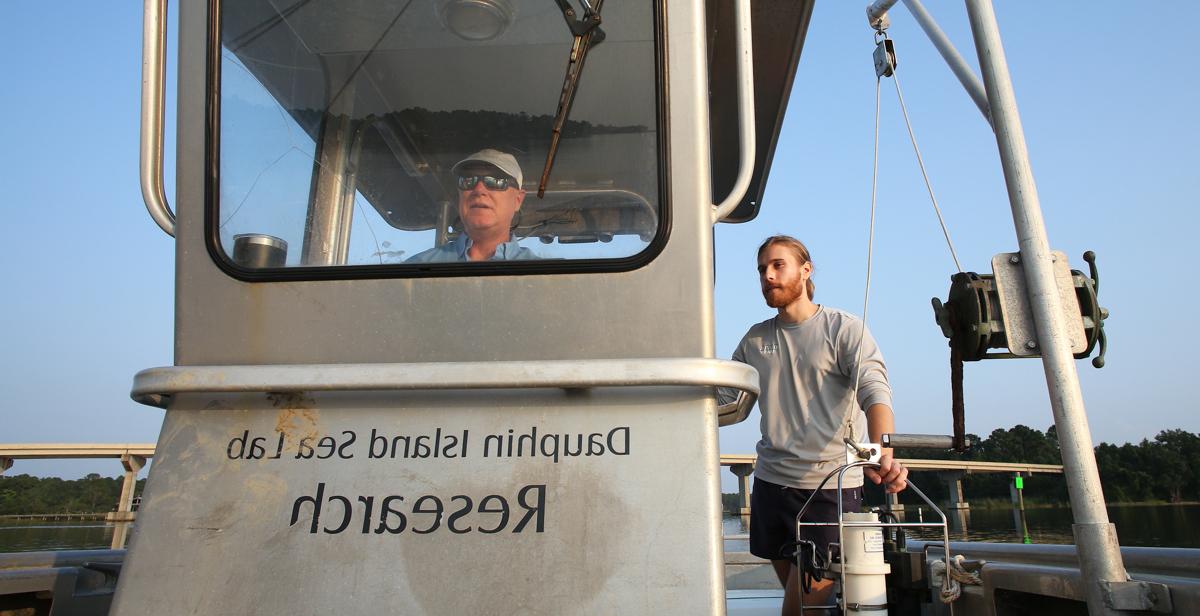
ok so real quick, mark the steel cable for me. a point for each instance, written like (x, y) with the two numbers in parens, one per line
(921, 163)
(849, 439)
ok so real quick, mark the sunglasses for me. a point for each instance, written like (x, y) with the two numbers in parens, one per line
(489, 182)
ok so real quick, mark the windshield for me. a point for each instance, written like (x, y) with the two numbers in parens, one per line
(349, 131)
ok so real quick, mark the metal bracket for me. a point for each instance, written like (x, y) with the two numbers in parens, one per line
(877, 16)
(866, 607)
(112, 570)
(580, 27)
(855, 452)
(1017, 311)
(1138, 596)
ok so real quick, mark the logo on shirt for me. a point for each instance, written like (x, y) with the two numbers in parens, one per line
(769, 348)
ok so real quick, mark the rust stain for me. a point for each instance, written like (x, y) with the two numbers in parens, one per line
(297, 418)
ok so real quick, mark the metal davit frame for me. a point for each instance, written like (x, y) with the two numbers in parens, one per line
(1108, 589)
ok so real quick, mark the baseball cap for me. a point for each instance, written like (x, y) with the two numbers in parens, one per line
(500, 160)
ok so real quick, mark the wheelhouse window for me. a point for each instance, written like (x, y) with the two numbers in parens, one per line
(407, 133)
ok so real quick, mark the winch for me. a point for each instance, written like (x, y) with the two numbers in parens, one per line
(993, 311)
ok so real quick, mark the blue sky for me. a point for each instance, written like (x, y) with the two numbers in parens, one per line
(1105, 95)
(1106, 108)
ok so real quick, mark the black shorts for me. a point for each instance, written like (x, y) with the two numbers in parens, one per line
(773, 510)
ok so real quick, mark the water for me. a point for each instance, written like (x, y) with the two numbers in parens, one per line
(35, 535)
(1137, 525)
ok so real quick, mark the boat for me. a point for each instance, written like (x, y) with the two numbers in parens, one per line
(348, 429)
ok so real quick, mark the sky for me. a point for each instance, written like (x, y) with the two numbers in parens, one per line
(1105, 96)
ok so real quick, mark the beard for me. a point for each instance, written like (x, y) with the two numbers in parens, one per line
(785, 294)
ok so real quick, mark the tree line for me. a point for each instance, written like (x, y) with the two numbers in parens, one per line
(24, 494)
(1149, 471)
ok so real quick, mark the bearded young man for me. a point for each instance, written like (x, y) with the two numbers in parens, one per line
(806, 359)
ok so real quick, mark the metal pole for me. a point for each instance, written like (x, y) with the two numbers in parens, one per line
(1016, 507)
(326, 231)
(1095, 538)
(1016, 490)
(323, 229)
(1024, 522)
(958, 66)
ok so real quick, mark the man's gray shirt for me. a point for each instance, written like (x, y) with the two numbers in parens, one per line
(806, 374)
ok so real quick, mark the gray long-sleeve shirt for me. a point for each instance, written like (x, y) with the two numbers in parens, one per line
(806, 374)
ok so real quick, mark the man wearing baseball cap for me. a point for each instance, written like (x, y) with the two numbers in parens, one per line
(489, 196)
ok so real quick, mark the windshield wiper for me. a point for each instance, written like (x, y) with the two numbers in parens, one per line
(587, 34)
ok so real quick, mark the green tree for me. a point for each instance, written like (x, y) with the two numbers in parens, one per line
(1183, 451)
(23, 494)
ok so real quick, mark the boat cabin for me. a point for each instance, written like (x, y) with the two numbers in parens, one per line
(360, 413)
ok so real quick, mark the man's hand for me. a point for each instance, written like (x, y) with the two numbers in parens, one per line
(891, 473)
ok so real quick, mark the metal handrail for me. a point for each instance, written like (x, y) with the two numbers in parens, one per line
(154, 42)
(155, 386)
(745, 96)
(736, 411)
